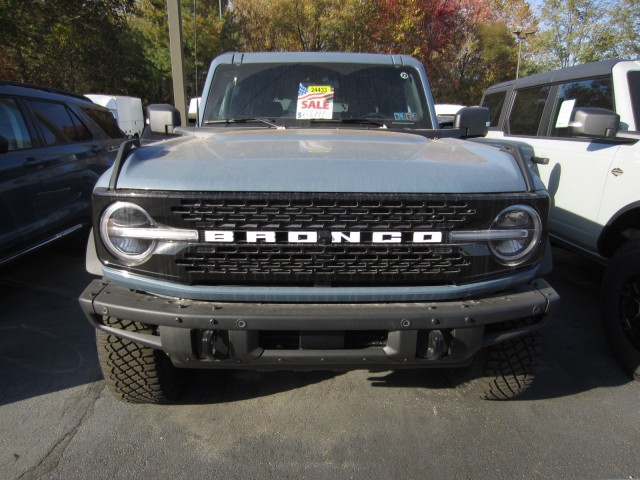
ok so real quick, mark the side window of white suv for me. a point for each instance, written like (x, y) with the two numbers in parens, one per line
(527, 110)
(595, 92)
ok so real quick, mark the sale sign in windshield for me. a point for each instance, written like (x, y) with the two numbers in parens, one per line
(314, 101)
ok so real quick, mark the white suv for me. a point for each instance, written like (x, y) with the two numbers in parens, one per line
(578, 129)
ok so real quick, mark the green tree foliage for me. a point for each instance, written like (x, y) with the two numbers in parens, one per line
(486, 58)
(78, 45)
(625, 26)
(577, 31)
(205, 34)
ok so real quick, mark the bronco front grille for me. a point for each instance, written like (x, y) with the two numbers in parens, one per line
(323, 263)
(380, 212)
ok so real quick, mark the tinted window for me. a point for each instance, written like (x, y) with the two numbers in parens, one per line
(302, 94)
(634, 91)
(596, 92)
(494, 102)
(526, 113)
(105, 121)
(13, 131)
(58, 124)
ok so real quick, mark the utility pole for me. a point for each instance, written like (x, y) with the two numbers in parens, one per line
(177, 58)
(520, 36)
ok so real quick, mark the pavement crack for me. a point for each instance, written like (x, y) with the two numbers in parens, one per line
(84, 406)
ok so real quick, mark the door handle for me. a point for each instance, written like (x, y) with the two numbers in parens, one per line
(540, 160)
(33, 162)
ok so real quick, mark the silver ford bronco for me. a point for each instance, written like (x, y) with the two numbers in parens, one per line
(315, 218)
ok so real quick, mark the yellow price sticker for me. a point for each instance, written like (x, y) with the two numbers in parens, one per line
(319, 89)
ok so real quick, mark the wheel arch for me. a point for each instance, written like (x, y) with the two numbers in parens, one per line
(623, 226)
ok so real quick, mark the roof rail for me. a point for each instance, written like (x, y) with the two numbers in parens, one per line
(42, 88)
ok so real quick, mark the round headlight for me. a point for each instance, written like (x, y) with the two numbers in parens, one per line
(515, 233)
(116, 227)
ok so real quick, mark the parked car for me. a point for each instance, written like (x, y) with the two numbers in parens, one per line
(53, 147)
(578, 129)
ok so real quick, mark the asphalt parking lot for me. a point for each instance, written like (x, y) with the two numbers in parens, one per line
(580, 420)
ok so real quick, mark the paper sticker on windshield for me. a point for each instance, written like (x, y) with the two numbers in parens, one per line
(406, 116)
(565, 113)
(314, 101)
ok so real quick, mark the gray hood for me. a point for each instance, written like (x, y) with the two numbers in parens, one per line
(320, 160)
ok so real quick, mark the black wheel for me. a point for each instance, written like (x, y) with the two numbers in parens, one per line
(135, 373)
(499, 372)
(620, 303)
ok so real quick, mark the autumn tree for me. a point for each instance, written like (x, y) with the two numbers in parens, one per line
(298, 25)
(465, 47)
(122, 46)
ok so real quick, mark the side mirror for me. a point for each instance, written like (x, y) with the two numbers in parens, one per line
(162, 118)
(4, 145)
(594, 122)
(472, 120)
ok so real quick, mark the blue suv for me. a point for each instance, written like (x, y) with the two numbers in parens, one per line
(53, 147)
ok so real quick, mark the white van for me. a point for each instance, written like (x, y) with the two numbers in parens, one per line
(126, 110)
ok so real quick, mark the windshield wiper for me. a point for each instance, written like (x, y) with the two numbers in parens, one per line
(366, 121)
(229, 121)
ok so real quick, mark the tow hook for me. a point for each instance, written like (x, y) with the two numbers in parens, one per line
(436, 346)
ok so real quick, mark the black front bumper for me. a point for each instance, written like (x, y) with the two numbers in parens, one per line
(197, 334)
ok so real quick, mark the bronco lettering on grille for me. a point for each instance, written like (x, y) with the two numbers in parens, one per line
(230, 236)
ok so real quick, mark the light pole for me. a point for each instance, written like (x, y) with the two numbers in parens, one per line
(520, 36)
(176, 51)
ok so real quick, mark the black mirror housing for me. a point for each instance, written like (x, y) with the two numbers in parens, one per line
(473, 120)
(163, 118)
(594, 122)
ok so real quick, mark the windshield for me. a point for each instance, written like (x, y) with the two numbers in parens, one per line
(310, 94)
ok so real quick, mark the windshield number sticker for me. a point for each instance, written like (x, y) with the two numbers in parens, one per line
(314, 101)
(406, 116)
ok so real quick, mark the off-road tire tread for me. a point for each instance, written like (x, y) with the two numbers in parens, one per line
(500, 372)
(135, 373)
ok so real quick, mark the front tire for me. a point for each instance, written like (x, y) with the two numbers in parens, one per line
(499, 372)
(620, 302)
(135, 373)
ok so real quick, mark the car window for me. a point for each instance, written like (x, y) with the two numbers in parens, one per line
(58, 124)
(634, 92)
(298, 94)
(494, 102)
(13, 130)
(595, 92)
(105, 121)
(526, 113)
